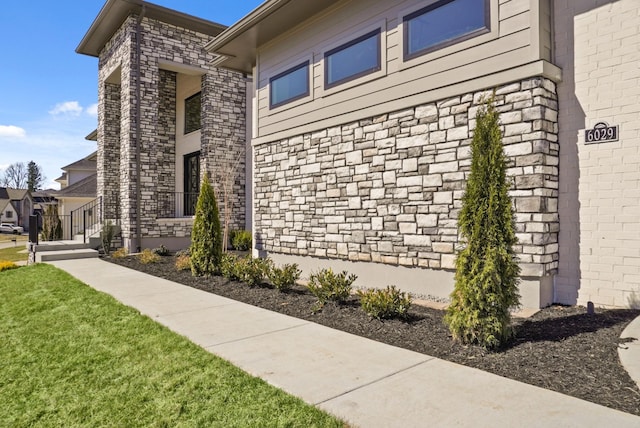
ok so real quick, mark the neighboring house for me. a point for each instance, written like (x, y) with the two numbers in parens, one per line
(359, 120)
(165, 117)
(364, 111)
(21, 206)
(77, 185)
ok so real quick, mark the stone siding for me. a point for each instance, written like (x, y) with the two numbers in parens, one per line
(117, 158)
(388, 189)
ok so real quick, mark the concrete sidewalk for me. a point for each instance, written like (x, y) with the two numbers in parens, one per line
(367, 383)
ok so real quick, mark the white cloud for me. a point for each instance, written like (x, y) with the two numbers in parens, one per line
(92, 110)
(11, 131)
(67, 108)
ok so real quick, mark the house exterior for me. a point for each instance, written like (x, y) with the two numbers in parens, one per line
(363, 112)
(353, 120)
(166, 116)
(16, 205)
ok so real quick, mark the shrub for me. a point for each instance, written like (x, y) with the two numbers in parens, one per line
(283, 278)
(241, 240)
(106, 236)
(486, 279)
(206, 236)
(4, 265)
(51, 224)
(184, 252)
(183, 262)
(161, 251)
(253, 271)
(147, 256)
(120, 253)
(229, 266)
(387, 303)
(326, 285)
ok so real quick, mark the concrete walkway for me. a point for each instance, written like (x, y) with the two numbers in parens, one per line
(367, 383)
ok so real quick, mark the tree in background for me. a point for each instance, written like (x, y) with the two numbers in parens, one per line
(35, 177)
(21, 176)
(206, 236)
(486, 280)
(15, 176)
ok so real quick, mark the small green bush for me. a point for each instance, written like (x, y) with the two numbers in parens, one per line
(120, 253)
(184, 252)
(253, 271)
(229, 265)
(326, 285)
(161, 251)
(283, 278)
(183, 262)
(241, 240)
(147, 256)
(383, 304)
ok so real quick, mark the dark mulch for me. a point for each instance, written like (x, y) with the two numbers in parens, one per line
(560, 348)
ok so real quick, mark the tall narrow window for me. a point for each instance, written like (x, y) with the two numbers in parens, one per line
(191, 182)
(357, 58)
(443, 23)
(290, 85)
(192, 112)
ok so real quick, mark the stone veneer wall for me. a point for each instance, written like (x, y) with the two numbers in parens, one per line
(224, 138)
(388, 189)
(108, 179)
(159, 41)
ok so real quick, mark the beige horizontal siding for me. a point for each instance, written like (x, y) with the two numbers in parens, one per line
(510, 45)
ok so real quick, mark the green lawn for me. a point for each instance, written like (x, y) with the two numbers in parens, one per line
(71, 356)
(13, 254)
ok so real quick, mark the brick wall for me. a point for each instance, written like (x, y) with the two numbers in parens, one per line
(388, 189)
(598, 48)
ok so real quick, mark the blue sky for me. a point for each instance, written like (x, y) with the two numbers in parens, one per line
(49, 93)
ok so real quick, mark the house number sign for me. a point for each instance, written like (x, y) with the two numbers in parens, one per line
(601, 133)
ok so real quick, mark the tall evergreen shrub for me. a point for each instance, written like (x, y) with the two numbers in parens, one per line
(206, 236)
(486, 279)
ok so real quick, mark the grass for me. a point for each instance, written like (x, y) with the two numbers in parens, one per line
(12, 254)
(7, 237)
(71, 356)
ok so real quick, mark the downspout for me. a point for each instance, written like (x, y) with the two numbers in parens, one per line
(138, 129)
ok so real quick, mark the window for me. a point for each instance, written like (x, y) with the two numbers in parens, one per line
(9, 214)
(192, 111)
(289, 85)
(352, 60)
(443, 23)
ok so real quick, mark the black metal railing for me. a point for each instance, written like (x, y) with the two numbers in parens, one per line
(87, 220)
(177, 204)
(55, 227)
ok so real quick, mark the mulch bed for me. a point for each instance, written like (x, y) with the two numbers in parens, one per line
(560, 348)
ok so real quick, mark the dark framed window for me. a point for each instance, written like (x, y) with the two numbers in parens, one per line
(289, 85)
(355, 59)
(191, 182)
(444, 23)
(9, 214)
(192, 112)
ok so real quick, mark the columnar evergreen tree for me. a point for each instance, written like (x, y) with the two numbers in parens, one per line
(35, 178)
(486, 280)
(51, 224)
(206, 236)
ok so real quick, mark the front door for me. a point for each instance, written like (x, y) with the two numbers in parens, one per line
(191, 182)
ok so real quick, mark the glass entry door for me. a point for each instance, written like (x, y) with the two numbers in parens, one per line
(191, 182)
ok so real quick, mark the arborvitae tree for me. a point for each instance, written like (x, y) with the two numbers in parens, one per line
(206, 236)
(486, 280)
(51, 224)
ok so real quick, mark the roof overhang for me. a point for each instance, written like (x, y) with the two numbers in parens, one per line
(115, 12)
(238, 44)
